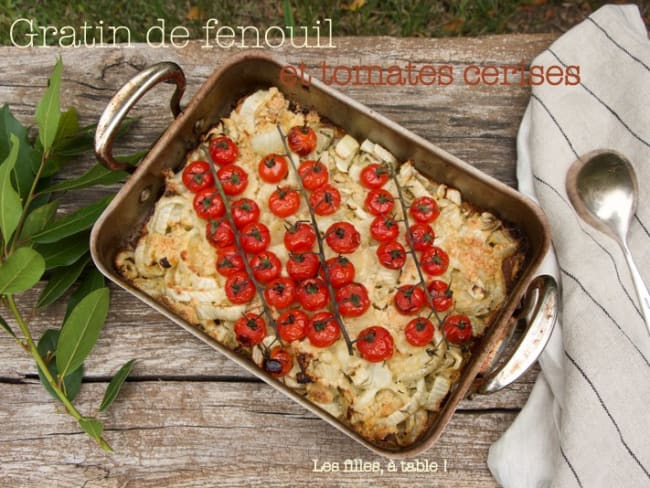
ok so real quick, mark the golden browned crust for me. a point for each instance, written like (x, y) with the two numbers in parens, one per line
(393, 401)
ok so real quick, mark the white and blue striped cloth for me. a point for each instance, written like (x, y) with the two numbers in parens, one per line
(587, 422)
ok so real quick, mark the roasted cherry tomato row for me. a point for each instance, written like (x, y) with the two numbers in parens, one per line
(457, 329)
(281, 292)
(321, 330)
(411, 299)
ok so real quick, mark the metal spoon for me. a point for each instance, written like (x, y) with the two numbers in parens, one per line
(604, 190)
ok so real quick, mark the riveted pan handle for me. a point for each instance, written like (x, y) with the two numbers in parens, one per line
(124, 100)
(539, 313)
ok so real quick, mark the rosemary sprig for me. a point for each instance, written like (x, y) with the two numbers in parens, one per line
(249, 271)
(321, 249)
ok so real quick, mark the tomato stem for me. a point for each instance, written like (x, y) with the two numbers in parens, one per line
(409, 241)
(249, 271)
(321, 249)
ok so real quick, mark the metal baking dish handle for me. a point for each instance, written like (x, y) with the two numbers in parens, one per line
(124, 100)
(539, 313)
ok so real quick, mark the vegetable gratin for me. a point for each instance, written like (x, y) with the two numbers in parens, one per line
(341, 272)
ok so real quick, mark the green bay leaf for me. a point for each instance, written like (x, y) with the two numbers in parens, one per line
(68, 125)
(10, 205)
(81, 330)
(66, 251)
(38, 218)
(114, 387)
(97, 175)
(93, 427)
(90, 281)
(47, 349)
(28, 159)
(48, 110)
(73, 223)
(60, 281)
(21, 271)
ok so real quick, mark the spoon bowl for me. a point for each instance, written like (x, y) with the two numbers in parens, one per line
(603, 188)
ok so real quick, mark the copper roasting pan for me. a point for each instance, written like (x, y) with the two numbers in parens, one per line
(497, 358)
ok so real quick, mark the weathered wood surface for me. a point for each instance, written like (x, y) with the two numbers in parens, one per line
(187, 416)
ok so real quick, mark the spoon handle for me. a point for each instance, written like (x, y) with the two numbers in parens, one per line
(641, 289)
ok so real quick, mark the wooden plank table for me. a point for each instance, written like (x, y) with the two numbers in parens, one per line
(187, 416)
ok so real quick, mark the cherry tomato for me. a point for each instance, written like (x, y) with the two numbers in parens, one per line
(303, 266)
(284, 201)
(223, 150)
(273, 168)
(300, 237)
(244, 211)
(278, 363)
(313, 294)
(384, 228)
(457, 328)
(229, 261)
(391, 254)
(313, 174)
(292, 325)
(340, 270)
(434, 261)
(424, 209)
(325, 200)
(234, 179)
(352, 299)
(374, 175)
(219, 233)
(375, 344)
(379, 202)
(441, 295)
(250, 329)
(281, 292)
(409, 299)
(266, 266)
(343, 237)
(240, 288)
(301, 139)
(422, 236)
(255, 237)
(419, 332)
(208, 204)
(197, 176)
(323, 329)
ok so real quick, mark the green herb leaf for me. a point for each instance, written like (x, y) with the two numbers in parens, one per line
(64, 252)
(21, 271)
(28, 160)
(47, 349)
(11, 207)
(94, 428)
(38, 218)
(84, 140)
(92, 280)
(48, 110)
(132, 159)
(60, 281)
(81, 330)
(68, 126)
(97, 175)
(114, 387)
(71, 224)
(5, 326)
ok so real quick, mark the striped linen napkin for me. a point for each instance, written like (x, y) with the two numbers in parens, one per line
(587, 422)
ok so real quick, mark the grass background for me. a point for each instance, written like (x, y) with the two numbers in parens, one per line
(420, 18)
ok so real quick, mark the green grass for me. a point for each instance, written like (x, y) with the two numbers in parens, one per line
(349, 17)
